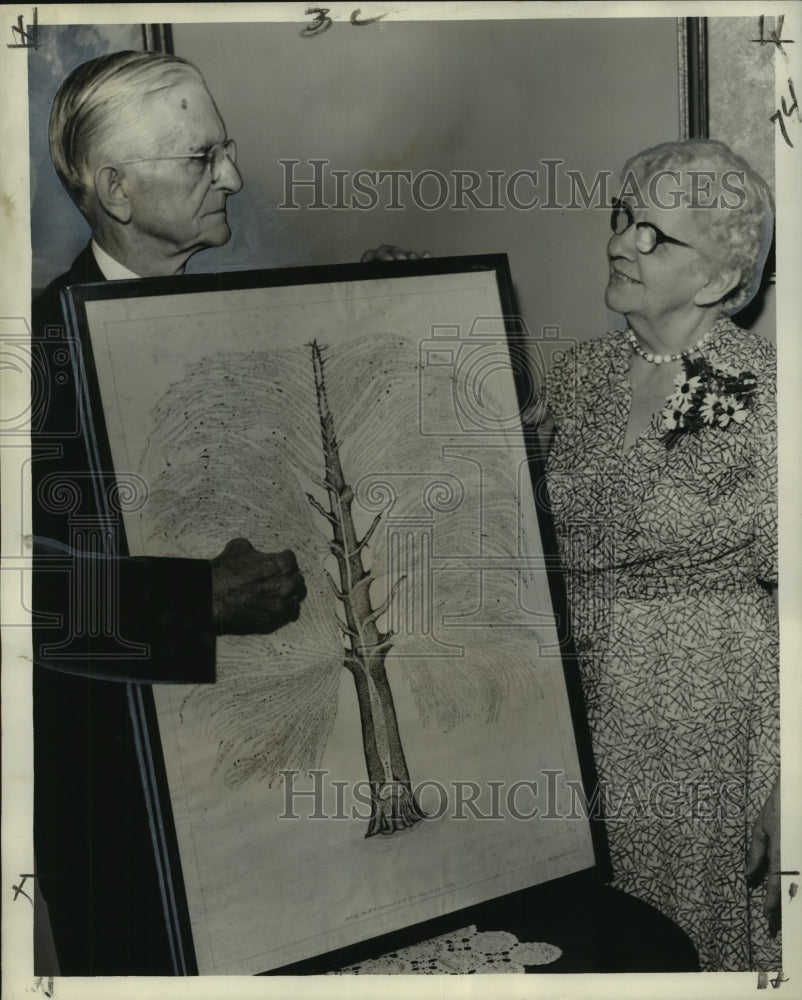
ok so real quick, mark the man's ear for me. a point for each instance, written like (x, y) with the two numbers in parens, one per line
(720, 283)
(111, 193)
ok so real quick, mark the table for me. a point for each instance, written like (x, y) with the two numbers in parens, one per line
(595, 927)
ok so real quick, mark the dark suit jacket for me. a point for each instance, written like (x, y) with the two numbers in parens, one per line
(92, 830)
(164, 604)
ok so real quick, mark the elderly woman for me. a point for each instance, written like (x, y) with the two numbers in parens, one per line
(662, 478)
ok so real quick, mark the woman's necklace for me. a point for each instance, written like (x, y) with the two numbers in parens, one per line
(664, 359)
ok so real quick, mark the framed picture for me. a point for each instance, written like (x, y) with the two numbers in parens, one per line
(726, 86)
(716, 56)
(356, 771)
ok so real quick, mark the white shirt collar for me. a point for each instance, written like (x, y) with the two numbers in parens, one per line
(111, 269)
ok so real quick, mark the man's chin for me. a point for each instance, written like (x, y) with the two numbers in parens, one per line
(218, 231)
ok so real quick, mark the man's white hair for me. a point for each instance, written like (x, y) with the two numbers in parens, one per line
(93, 99)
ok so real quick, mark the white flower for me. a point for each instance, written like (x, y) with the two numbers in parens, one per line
(708, 409)
(686, 387)
(679, 402)
(731, 409)
(673, 418)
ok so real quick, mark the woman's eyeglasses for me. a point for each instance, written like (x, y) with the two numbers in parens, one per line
(648, 236)
(214, 157)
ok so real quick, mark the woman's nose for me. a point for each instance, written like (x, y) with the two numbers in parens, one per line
(623, 244)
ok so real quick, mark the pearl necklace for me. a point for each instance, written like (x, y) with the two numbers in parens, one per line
(664, 359)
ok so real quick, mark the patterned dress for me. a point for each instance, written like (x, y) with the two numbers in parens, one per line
(667, 551)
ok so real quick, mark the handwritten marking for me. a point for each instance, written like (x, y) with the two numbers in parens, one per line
(29, 39)
(779, 978)
(368, 20)
(42, 985)
(775, 38)
(19, 891)
(786, 112)
(321, 23)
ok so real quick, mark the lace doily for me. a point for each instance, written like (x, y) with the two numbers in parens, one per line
(461, 952)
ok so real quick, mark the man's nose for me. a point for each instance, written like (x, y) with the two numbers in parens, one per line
(228, 177)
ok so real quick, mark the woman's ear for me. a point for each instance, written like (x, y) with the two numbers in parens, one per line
(111, 193)
(720, 283)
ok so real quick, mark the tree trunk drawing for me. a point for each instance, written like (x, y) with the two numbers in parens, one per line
(393, 805)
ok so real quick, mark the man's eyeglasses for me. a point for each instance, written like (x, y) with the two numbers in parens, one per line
(214, 157)
(648, 237)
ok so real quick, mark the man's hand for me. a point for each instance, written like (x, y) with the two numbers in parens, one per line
(764, 850)
(254, 591)
(388, 252)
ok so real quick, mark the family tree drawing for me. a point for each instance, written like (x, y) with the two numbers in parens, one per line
(393, 805)
(237, 449)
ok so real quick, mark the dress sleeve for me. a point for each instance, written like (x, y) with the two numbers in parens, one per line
(765, 511)
(561, 387)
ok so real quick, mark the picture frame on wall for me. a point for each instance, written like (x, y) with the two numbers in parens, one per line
(726, 87)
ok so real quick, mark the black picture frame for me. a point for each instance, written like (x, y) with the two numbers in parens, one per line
(173, 912)
(693, 73)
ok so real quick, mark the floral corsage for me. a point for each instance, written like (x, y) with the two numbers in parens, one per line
(706, 397)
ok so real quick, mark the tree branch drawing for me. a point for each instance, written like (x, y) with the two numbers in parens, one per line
(393, 805)
(234, 446)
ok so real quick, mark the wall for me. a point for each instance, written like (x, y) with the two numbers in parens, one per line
(741, 103)
(479, 96)
(447, 96)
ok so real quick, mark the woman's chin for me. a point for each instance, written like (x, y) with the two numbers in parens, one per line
(613, 299)
(621, 296)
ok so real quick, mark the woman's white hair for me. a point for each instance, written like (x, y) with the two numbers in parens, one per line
(94, 98)
(739, 208)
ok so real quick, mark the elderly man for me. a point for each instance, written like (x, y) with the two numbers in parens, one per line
(139, 144)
